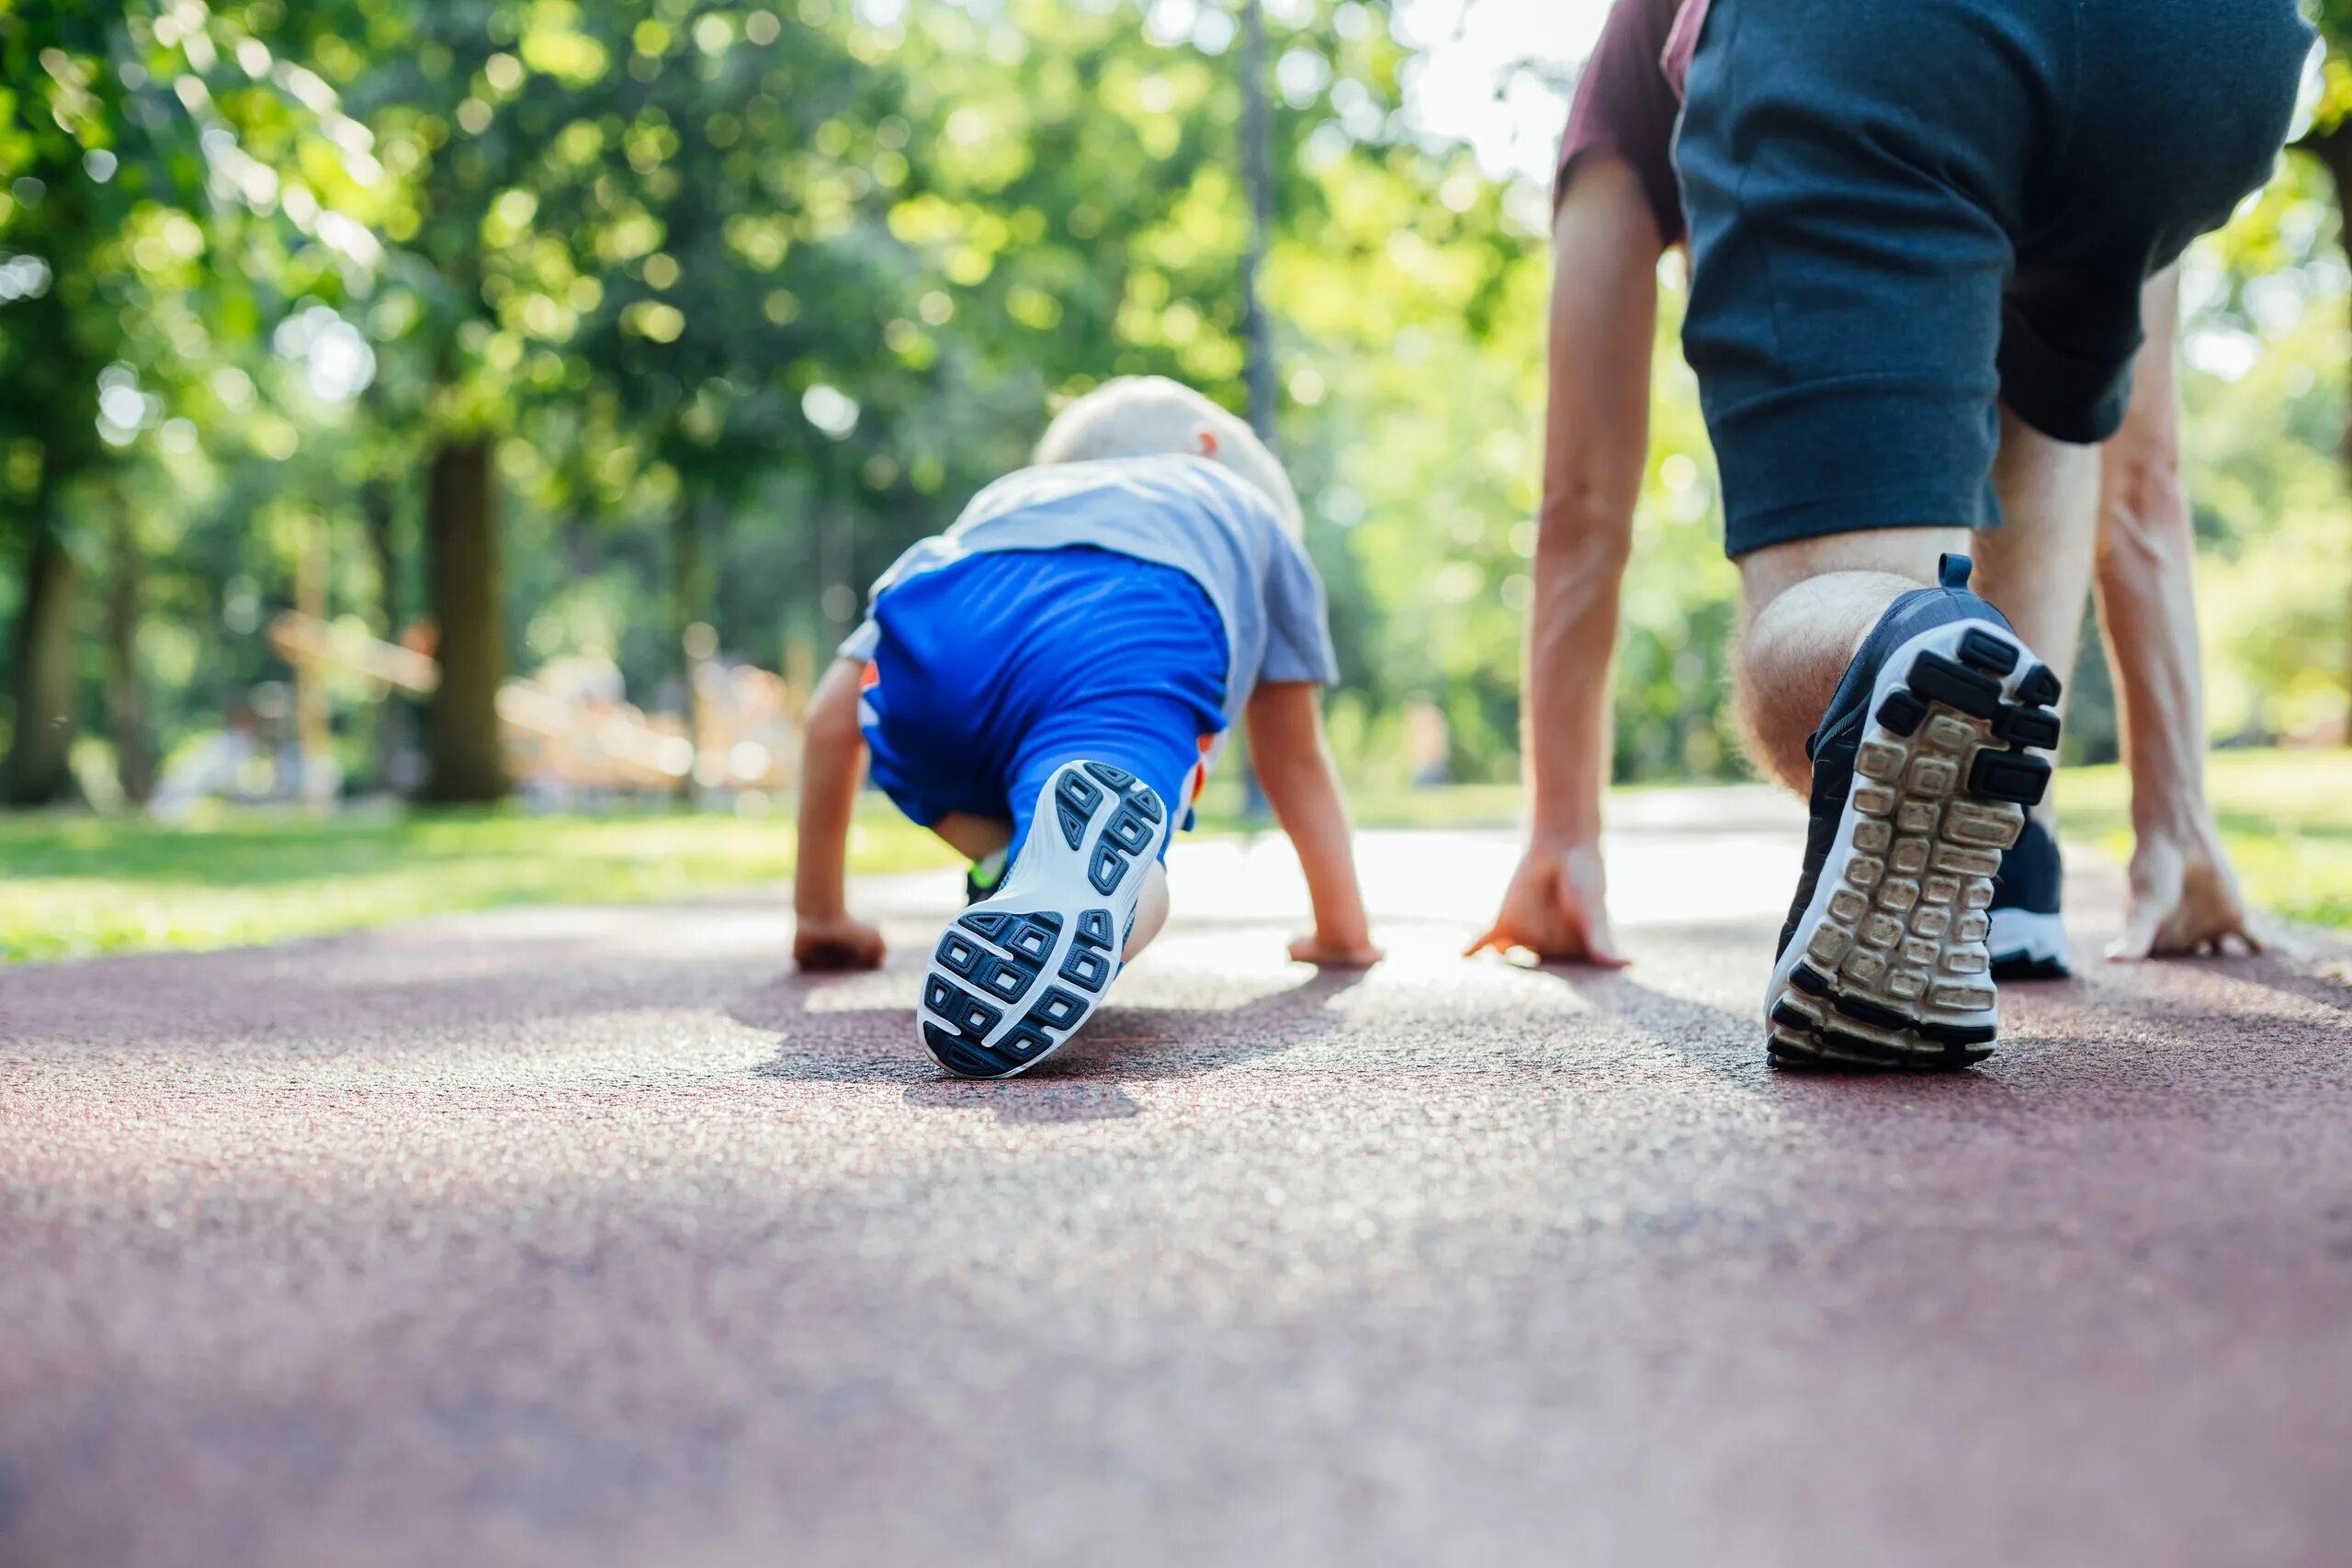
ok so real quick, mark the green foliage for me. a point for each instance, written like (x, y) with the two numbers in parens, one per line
(751, 295)
(2266, 404)
(2334, 19)
(169, 183)
(2286, 820)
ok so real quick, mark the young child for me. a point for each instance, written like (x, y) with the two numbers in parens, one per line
(1049, 682)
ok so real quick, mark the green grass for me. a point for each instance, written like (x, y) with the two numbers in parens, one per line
(2285, 820)
(73, 885)
(1453, 805)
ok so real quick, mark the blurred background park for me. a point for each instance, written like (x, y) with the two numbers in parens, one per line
(440, 442)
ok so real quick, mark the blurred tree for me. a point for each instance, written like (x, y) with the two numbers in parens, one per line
(2266, 396)
(1258, 180)
(65, 117)
(135, 144)
(2329, 140)
(572, 326)
(463, 125)
(764, 163)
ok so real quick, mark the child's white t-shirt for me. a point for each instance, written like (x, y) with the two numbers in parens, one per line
(1191, 514)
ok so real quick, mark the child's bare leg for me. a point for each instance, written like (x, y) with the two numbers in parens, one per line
(973, 837)
(1151, 911)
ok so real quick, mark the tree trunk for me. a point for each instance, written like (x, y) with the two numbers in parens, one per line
(134, 747)
(37, 770)
(687, 595)
(2333, 148)
(393, 713)
(465, 762)
(1258, 179)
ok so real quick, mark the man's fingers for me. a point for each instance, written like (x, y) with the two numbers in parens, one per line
(2139, 939)
(2170, 934)
(1605, 954)
(1594, 943)
(1494, 938)
(1600, 952)
(1585, 912)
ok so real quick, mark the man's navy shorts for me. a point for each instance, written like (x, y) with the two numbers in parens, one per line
(1902, 210)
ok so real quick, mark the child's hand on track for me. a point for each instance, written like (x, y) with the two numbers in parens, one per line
(837, 943)
(1326, 951)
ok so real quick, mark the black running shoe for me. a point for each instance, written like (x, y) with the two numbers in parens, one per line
(1014, 976)
(1935, 743)
(2029, 940)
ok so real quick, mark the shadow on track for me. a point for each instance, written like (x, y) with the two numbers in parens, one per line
(824, 1036)
(1729, 1047)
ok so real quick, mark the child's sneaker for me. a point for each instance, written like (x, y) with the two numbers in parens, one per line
(1015, 974)
(1935, 743)
(2029, 939)
(983, 877)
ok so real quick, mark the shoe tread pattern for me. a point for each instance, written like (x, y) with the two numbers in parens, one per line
(991, 964)
(1007, 969)
(1896, 972)
(1075, 798)
(1132, 832)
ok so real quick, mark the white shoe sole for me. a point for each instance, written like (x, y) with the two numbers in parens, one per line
(2028, 944)
(1888, 965)
(1017, 974)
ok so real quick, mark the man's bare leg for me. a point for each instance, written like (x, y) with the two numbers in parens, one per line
(2119, 513)
(1915, 780)
(2036, 568)
(1807, 605)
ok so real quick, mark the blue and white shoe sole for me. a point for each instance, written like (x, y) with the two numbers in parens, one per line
(1888, 965)
(2029, 945)
(1020, 972)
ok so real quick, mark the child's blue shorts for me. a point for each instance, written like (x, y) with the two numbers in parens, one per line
(991, 673)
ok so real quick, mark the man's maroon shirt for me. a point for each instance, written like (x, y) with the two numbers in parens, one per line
(1629, 97)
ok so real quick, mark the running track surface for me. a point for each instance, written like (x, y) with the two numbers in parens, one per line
(598, 1237)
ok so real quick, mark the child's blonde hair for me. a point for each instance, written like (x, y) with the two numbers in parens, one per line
(1141, 416)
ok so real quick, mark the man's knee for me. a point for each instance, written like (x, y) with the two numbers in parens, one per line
(1767, 573)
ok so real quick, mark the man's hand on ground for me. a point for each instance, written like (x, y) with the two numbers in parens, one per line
(837, 941)
(1328, 951)
(2185, 902)
(1556, 908)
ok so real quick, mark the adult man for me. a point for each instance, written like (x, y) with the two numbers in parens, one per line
(1900, 213)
